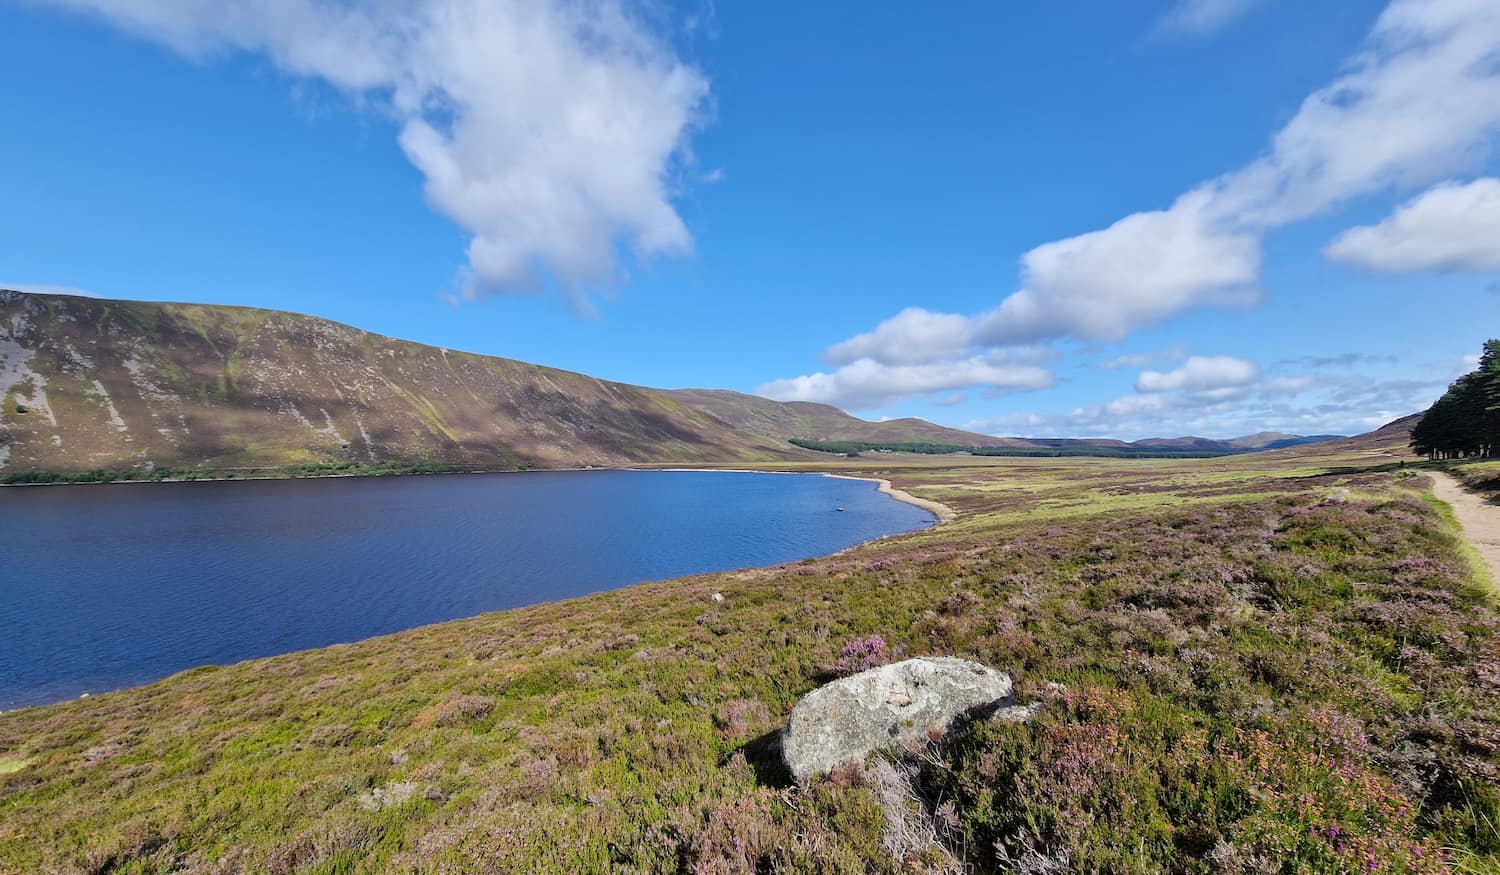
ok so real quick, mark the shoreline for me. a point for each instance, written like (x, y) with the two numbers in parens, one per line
(943, 512)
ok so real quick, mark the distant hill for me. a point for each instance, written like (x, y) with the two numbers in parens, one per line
(1270, 440)
(825, 423)
(1265, 440)
(1196, 445)
(1392, 439)
(781, 420)
(89, 384)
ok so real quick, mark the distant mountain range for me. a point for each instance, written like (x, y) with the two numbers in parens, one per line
(781, 420)
(820, 422)
(1263, 440)
(90, 384)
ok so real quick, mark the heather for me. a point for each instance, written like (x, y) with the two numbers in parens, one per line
(1270, 663)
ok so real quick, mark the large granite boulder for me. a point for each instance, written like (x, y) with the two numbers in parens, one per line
(893, 706)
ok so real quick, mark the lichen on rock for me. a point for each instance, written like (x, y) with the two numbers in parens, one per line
(894, 706)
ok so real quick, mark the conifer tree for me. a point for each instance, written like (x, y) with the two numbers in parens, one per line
(1466, 420)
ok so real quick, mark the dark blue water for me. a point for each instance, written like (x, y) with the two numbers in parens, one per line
(103, 587)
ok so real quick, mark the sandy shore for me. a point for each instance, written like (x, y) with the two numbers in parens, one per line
(943, 512)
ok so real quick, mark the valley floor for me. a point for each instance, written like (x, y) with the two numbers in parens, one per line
(1280, 662)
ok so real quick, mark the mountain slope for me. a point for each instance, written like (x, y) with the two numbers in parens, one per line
(780, 420)
(1266, 440)
(1392, 439)
(97, 384)
(88, 383)
(823, 422)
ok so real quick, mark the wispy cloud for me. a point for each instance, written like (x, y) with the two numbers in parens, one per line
(1337, 360)
(1146, 359)
(550, 130)
(1420, 102)
(1347, 404)
(1203, 17)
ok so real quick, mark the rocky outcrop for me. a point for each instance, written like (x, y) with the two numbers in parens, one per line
(890, 707)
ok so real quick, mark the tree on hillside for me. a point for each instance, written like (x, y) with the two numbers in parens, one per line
(1489, 375)
(1466, 420)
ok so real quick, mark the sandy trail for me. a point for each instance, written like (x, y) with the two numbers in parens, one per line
(943, 512)
(1479, 518)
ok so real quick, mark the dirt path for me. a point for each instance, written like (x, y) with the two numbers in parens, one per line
(1480, 519)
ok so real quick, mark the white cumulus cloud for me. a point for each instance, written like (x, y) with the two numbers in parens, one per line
(1450, 227)
(868, 383)
(549, 130)
(912, 336)
(1420, 102)
(1200, 373)
(1140, 270)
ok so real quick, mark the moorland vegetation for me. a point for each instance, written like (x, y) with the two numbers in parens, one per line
(1279, 662)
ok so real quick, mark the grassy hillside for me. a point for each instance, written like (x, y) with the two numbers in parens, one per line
(95, 390)
(824, 424)
(90, 384)
(1261, 663)
(821, 422)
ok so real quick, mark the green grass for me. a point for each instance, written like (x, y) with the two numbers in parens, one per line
(1480, 475)
(1236, 675)
(1479, 570)
(295, 470)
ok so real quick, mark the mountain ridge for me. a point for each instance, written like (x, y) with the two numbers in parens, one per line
(90, 383)
(93, 383)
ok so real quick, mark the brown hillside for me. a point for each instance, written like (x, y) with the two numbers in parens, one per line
(822, 422)
(88, 383)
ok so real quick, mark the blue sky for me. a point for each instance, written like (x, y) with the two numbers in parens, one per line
(1201, 216)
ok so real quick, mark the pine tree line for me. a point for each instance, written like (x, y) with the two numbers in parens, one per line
(1465, 422)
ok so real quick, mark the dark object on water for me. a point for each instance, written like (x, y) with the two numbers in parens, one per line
(840, 510)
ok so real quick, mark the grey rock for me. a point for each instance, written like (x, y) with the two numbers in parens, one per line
(889, 707)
